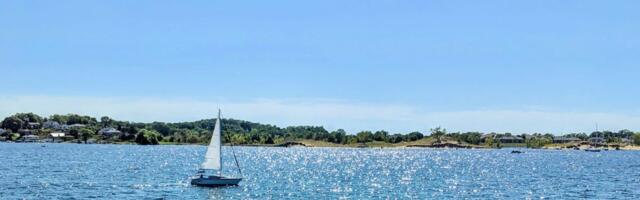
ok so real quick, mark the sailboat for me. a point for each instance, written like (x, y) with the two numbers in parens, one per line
(209, 174)
(591, 146)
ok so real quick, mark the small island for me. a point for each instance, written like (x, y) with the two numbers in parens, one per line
(74, 128)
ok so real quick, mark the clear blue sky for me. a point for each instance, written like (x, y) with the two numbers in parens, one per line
(517, 66)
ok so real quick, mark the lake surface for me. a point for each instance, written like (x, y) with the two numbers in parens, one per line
(75, 171)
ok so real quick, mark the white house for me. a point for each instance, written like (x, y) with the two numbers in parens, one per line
(57, 135)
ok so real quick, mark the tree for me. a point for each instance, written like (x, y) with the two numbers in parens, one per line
(636, 139)
(79, 119)
(13, 123)
(470, 137)
(364, 136)
(162, 128)
(13, 136)
(106, 121)
(413, 136)
(86, 133)
(351, 139)
(538, 141)
(489, 141)
(437, 133)
(193, 139)
(338, 136)
(395, 138)
(141, 138)
(238, 139)
(148, 137)
(29, 117)
(269, 140)
(380, 136)
(61, 119)
(548, 136)
(75, 133)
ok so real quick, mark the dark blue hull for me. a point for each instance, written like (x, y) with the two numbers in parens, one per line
(215, 181)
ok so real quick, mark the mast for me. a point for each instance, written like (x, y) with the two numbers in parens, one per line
(219, 134)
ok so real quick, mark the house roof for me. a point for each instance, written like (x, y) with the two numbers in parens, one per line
(510, 138)
(51, 124)
(77, 125)
(108, 130)
(486, 136)
(566, 138)
(596, 139)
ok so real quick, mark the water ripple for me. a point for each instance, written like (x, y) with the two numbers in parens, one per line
(72, 171)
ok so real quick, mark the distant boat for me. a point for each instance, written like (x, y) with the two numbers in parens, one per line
(213, 164)
(517, 152)
(591, 149)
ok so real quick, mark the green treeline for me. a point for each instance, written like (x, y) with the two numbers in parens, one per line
(234, 131)
(83, 128)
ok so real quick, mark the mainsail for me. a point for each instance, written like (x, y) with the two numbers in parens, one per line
(213, 159)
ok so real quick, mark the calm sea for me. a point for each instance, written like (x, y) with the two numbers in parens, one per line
(73, 171)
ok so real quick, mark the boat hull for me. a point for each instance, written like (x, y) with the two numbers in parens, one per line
(215, 181)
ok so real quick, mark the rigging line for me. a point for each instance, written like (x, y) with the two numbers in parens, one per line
(236, 159)
(233, 151)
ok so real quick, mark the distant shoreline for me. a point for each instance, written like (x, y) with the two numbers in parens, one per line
(73, 128)
(371, 145)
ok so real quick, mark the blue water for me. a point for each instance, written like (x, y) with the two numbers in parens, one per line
(74, 171)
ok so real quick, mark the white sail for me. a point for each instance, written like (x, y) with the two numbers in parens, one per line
(213, 159)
